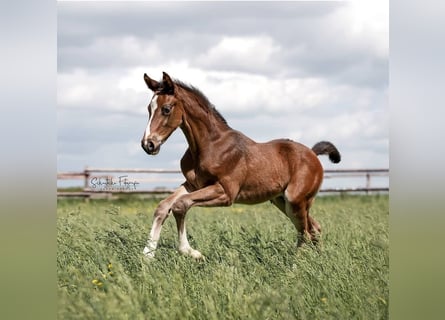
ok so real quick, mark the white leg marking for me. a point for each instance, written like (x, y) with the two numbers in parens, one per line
(155, 233)
(184, 245)
(287, 206)
(150, 248)
(152, 242)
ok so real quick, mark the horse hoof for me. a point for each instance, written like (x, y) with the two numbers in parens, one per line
(198, 256)
(195, 254)
(148, 253)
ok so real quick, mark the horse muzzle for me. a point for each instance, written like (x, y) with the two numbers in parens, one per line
(151, 146)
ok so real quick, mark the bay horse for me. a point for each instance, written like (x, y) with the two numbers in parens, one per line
(222, 166)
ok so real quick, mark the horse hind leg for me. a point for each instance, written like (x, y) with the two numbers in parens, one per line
(315, 228)
(297, 210)
(285, 206)
(299, 217)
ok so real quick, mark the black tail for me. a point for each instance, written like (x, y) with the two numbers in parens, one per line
(325, 147)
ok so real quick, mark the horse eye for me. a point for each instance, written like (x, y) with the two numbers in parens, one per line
(166, 110)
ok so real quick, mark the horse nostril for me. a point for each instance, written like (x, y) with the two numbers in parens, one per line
(148, 146)
(151, 146)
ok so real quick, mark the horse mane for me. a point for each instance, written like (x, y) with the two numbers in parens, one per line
(202, 99)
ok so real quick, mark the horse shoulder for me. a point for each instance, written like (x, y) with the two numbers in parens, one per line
(188, 167)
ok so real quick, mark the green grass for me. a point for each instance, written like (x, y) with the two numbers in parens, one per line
(252, 268)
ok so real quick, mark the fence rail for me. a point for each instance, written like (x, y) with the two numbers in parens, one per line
(106, 182)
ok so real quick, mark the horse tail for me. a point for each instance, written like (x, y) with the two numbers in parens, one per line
(325, 147)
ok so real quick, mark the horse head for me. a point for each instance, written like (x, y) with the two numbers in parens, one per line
(165, 112)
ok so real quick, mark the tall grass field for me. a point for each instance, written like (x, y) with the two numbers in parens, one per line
(252, 268)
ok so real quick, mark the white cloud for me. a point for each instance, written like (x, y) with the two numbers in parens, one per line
(358, 126)
(111, 51)
(366, 23)
(243, 92)
(240, 53)
(239, 92)
(106, 90)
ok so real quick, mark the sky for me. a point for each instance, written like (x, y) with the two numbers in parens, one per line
(308, 71)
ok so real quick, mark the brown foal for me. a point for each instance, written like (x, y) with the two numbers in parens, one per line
(223, 166)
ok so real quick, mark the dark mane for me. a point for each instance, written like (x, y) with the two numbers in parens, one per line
(202, 99)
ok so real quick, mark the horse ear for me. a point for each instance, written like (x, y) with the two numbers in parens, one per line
(153, 85)
(167, 84)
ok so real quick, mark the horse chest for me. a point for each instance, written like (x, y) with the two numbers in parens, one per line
(200, 177)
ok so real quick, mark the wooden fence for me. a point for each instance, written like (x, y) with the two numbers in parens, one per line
(99, 182)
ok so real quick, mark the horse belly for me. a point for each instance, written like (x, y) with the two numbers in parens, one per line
(267, 176)
(257, 193)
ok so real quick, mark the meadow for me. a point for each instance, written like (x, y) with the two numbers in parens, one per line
(252, 268)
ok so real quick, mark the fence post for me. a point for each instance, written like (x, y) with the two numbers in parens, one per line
(368, 182)
(86, 174)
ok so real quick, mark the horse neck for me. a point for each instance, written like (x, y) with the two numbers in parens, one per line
(201, 127)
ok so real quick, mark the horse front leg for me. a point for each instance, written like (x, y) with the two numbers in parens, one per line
(160, 215)
(184, 245)
(213, 195)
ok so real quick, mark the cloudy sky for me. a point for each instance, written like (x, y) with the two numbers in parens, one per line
(308, 71)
